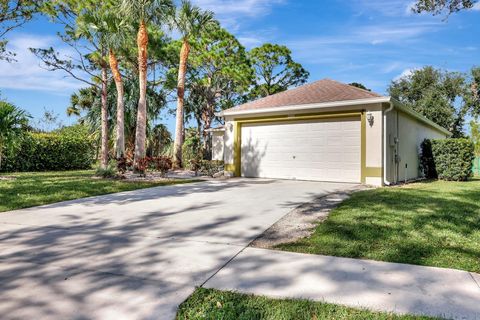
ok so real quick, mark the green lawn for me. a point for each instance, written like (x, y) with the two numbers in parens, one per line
(33, 189)
(213, 304)
(430, 223)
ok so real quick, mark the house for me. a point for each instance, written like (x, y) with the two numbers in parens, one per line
(324, 131)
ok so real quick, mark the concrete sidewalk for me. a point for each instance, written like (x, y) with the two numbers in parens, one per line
(381, 286)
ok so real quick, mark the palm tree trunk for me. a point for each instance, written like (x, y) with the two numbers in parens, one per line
(140, 132)
(182, 71)
(104, 138)
(120, 130)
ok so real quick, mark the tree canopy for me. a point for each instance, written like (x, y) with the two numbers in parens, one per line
(275, 70)
(475, 136)
(434, 93)
(359, 85)
(13, 14)
(442, 6)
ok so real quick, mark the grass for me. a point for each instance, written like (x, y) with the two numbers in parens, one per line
(214, 304)
(430, 223)
(33, 189)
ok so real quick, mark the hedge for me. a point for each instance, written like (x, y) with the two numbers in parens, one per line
(447, 159)
(67, 149)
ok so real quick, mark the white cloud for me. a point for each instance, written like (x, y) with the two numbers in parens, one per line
(229, 12)
(377, 34)
(409, 8)
(238, 7)
(386, 7)
(250, 41)
(368, 35)
(405, 73)
(476, 6)
(27, 74)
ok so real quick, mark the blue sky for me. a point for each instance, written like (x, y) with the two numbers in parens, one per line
(367, 41)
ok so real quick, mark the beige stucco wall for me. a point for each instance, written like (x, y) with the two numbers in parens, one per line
(217, 145)
(374, 145)
(228, 142)
(411, 132)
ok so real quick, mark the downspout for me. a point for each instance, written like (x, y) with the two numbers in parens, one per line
(386, 144)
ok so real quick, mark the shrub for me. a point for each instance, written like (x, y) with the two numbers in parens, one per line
(71, 148)
(122, 164)
(142, 166)
(427, 164)
(191, 150)
(448, 159)
(163, 164)
(109, 172)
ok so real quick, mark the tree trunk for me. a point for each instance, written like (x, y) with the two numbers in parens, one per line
(120, 130)
(104, 138)
(182, 71)
(140, 132)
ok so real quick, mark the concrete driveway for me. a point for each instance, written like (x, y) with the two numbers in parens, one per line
(134, 255)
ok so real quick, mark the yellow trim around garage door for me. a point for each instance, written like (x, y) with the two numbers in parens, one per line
(363, 148)
(237, 132)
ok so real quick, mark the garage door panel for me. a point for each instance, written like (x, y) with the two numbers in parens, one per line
(314, 150)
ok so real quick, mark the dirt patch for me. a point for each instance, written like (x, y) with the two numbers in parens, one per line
(301, 221)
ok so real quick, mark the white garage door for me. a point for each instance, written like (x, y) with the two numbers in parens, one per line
(313, 150)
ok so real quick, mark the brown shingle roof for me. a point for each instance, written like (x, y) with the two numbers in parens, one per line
(321, 91)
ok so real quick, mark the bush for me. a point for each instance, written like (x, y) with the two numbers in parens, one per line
(122, 164)
(163, 164)
(68, 149)
(427, 164)
(447, 159)
(191, 151)
(142, 166)
(109, 172)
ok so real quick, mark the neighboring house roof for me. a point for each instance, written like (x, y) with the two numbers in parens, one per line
(321, 91)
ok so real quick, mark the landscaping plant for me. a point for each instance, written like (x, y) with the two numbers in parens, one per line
(71, 148)
(108, 172)
(163, 164)
(448, 159)
(12, 121)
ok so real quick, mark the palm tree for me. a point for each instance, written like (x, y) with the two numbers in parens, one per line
(120, 127)
(90, 26)
(144, 12)
(159, 139)
(116, 37)
(86, 104)
(12, 123)
(190, 21)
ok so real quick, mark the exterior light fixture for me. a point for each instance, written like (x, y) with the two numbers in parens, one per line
(370, 118)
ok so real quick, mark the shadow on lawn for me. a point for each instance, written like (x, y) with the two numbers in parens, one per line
(425, 227)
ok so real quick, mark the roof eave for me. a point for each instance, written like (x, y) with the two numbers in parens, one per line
(304, 106)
